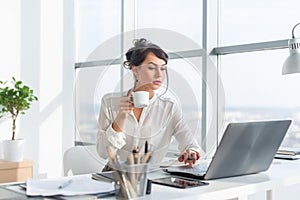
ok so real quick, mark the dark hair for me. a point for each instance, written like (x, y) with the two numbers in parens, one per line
(137, 54)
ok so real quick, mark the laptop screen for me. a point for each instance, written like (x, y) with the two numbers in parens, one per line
(247, 148)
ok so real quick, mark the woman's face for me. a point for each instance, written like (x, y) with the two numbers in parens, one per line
(150, 74)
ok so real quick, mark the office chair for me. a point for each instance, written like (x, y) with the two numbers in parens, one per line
(82, 160)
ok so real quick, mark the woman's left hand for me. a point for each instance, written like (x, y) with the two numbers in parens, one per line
(189, 157)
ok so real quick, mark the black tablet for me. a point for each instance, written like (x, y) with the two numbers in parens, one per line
(179, 182)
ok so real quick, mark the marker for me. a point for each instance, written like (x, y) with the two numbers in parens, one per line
(65, 184)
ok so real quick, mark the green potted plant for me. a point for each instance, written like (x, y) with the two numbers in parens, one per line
(15, 99)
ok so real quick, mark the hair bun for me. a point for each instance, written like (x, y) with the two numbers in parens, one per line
(138, 45)
(141, 43)
(138, 53)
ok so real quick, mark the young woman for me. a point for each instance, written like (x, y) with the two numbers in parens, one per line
(125, 127)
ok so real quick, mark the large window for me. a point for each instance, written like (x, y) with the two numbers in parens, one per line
(254, 86)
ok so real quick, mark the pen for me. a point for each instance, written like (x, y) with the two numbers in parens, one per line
(65, 184)
(125, 185)
(136, 155)
(146, 147)
(131, 169)
(146, 158)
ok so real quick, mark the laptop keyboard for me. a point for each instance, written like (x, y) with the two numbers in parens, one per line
(196, 169)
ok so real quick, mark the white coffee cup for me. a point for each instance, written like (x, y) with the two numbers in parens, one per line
(140, 99)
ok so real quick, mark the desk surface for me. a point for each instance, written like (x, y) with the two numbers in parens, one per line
(282, 173)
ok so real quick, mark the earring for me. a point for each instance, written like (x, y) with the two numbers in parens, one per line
(136, 80)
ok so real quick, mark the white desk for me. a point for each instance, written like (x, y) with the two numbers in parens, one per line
(271, 183)
(281, 175)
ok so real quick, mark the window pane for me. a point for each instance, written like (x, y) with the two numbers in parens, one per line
(256, 90)
(256, 21)
(184, 17)
(97, 21)
(91, 84)
(185, 87)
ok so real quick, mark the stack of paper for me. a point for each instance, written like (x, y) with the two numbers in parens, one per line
(78, 185)
(288, 153)
(108, 176)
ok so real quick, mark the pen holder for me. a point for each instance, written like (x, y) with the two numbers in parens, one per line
(131, 175)
(132, 181)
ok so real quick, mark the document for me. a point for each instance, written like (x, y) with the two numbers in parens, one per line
(68, 186)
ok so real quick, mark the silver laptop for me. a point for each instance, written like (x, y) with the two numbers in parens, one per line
(245, 148)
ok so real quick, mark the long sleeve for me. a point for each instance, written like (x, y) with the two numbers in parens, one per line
(106, 135)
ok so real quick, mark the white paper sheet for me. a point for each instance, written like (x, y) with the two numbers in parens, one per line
(80, 185)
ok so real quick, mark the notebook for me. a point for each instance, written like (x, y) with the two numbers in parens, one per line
(245, 148)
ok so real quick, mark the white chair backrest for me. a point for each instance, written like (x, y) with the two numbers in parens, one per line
(82, 160)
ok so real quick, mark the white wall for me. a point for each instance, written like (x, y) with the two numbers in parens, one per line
(37, 46)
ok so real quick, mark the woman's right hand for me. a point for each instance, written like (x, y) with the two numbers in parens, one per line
(125, 107)
(189, 157)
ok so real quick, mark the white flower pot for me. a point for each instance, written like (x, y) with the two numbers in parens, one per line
(13, 150)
